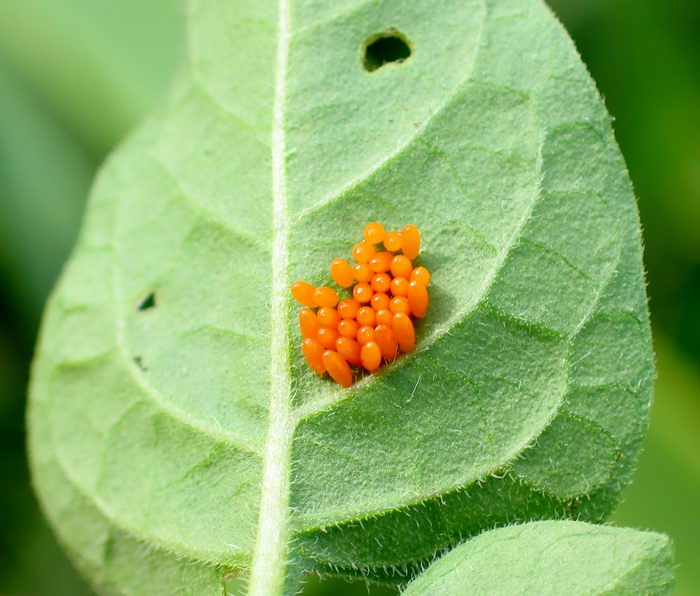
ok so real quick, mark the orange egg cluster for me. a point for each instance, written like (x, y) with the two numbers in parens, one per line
(377, 322)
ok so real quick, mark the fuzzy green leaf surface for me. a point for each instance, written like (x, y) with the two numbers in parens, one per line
(549, 558)
(193, 433)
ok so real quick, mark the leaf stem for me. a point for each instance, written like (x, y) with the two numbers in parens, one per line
(270, 559)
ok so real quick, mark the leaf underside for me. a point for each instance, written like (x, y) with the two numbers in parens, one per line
(551, 558)
(528, 394)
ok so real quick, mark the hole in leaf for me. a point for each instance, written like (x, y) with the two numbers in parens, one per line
(148, 302)
(383, 48)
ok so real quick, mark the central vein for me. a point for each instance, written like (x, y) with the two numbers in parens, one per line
(268, 569)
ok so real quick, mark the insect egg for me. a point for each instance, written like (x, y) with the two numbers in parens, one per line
(303, 293)
(374, 232)
(341, 272)
(392, 241)
(308, 323)
(362, 292)
(348, 308)
(313, 352)
(326, 336)
(410, 241)
(366, 316)
(325, 296)
(371, 356)
(337, 368)
(417, 299)
(328, 317)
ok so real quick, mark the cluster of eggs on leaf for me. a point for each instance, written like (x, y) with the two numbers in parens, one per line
(377, 322)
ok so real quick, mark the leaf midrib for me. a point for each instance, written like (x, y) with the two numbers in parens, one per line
(267, 576)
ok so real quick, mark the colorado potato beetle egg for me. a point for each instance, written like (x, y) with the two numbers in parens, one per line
(375, 324)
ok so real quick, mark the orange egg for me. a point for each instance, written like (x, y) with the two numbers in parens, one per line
(371, 356)
(325, 296)
(381, 262)
(313, 352)
(385, 317)
(303, 293)
(381, 282)
(341, 272)
(348, 307)
(380, 301)
(417, 299)
(401, 266)
(399, 304)
(327, 316)
(404, 332)
(337, 368)
(365, 334)
(399, 286)
(392, 241)
(348, 328)
(421, 275)
(410, 241)
(385, 339)
(363, 251)
(349, 349)
(366, 316)
(362, 272)
(362, 292)
(326, 336)
(374, 232)
(308, 323)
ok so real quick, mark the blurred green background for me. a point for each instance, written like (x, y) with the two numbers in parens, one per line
(76, 75)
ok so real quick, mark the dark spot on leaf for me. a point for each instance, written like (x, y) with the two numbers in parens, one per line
(383, 48)
(139, 362)
(148, 302)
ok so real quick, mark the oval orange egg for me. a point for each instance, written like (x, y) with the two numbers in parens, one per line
(348, 328)
(337, 368)
(380, 301)
(410, 241)
(327, 316)
(342, 273)
(401, 266)
(404, 332)
(326, 336)
(349, 349)
(385, 317)
(362, 292)
(386, 340)
(363, 251)
(417, 299)
(366, 316)
(362, 272)
(303, 292)
(399, 304)
(348, 307)
(325, 296)
(381, 262)
(371, 356)
(313, 352)
(365, 334)
(399, 286)
(381, 282)
(308, 323)
(392, 241)
(421, 275)
(374, 232)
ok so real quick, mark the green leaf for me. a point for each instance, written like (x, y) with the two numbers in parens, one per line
(194, 426)
(553, 557)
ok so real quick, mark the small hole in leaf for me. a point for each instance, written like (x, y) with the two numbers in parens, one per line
(383, 48)
(148, 302)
